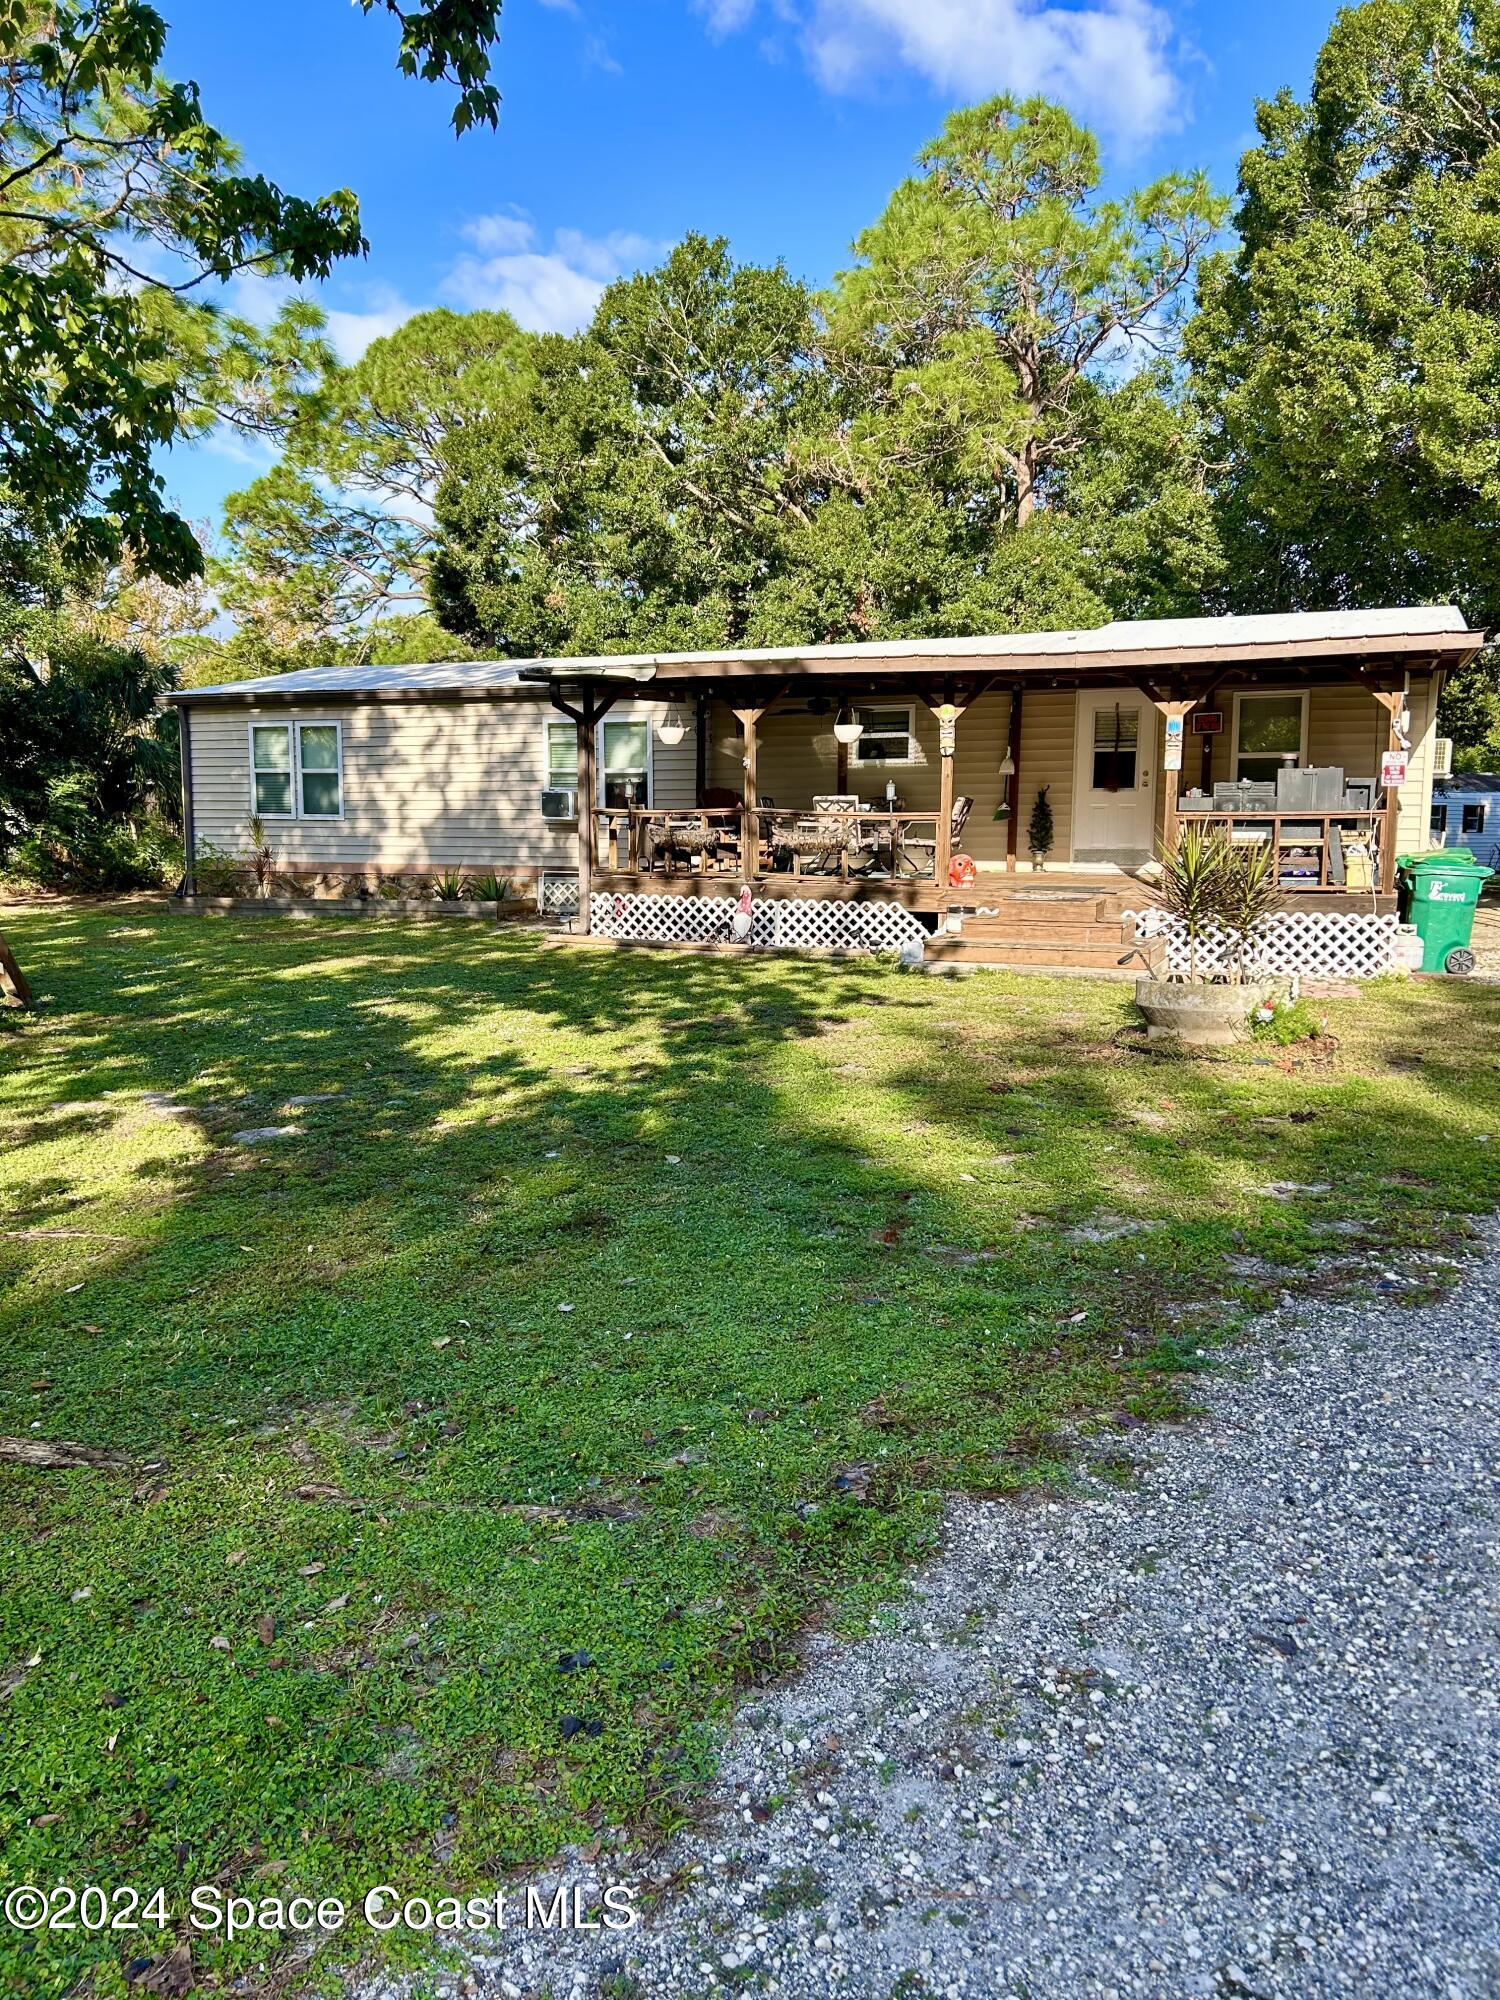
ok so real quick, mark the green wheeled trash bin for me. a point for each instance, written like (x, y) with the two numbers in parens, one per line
(1439, 893)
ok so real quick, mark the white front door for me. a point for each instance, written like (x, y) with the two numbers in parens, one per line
(1114, 785)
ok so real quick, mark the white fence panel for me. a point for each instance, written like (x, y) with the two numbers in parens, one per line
(779, 923)
(1337, 944)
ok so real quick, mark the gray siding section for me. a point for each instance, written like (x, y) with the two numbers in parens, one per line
(426, 785)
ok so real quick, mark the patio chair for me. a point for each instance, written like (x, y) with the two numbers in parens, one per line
(924, 846)
(829, 834)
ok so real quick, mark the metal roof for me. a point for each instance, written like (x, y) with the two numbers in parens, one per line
(1468, 781)
(1436, 631)
(434, 677)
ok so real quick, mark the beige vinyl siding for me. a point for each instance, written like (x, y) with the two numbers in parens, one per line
(425, 785)
(1048, 722)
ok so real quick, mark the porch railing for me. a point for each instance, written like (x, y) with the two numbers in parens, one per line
(731, 842)
(1313, 849)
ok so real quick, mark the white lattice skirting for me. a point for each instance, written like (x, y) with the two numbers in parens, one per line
(1321, 943)
(782, 923)
(557, 896)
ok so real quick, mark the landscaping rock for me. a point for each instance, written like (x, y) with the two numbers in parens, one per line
(257, 1135)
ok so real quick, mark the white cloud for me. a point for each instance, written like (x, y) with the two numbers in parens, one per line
(552, 290)
(1107, 61)
(352, 332)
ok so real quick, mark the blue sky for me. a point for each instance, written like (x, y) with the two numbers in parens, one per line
(782, 124)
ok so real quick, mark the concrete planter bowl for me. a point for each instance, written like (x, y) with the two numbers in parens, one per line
(1202, 1016)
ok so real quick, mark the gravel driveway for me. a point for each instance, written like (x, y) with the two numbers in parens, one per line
(1227, 1728)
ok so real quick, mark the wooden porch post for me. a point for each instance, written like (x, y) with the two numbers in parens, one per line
(1013, 818)
(588, 830)
(750, 844)
(947, 720)
(591, 709)
(1174, 708)
(1392, 701)
(189, 843)
(700, 745)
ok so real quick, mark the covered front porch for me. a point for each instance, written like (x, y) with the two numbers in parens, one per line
(911, 776)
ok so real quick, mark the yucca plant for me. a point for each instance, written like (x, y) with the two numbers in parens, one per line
(1249, 892)
(490, 888)
(1192, 884)
(451, 886)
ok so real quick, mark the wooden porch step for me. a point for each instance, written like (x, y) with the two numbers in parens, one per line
(1087, 927)
(1046, 937)
(1058, 955)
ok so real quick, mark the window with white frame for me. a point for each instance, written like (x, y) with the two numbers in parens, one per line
(562, 756)
(297, 770)
(625, 763)
(886, 736)
(1270, 734)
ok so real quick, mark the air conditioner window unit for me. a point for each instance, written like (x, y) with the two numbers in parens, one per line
(1442, 757)
(558, 802)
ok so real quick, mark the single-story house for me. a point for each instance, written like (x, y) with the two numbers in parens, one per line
(1466, 813)
(901, 775)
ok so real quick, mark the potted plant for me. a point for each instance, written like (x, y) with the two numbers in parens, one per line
(1040, 833)
(1220, 894)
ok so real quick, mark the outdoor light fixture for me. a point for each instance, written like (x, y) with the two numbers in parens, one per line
(846, 725)
(672, 727)
(1007, 766)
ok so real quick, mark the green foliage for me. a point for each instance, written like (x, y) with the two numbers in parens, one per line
(319, 552)
(449, 41)
(1347, 358)
(644, 491)
(1041, 834)
(101, 155)
(491, 888)
(118, 203)
(88, 783)
(994, 287)
(1291, 1022)
(1192, 883)
(1249, 891)
(368, 1313)
(946, 444)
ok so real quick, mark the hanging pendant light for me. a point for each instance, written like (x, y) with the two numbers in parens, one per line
(1007, 765)
(672, 727)
(847, 726)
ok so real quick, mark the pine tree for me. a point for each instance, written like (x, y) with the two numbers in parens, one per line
(1040, 833)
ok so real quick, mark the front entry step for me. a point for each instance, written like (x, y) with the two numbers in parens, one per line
(1063, 953)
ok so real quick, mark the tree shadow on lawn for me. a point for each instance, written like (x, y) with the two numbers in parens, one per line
(598, 1308)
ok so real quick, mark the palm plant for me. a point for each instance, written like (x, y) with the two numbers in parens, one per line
(1192, 885)
(1249, 892)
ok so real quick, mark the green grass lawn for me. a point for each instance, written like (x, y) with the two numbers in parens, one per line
(556, 1330)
